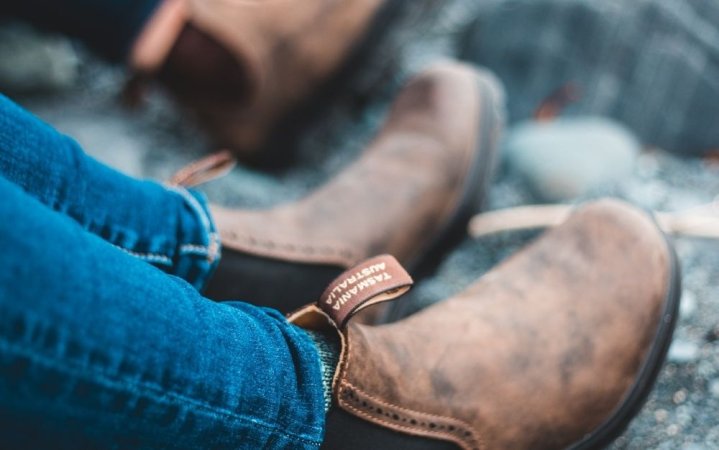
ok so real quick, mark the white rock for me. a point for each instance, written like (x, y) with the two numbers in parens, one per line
(568, 157)
(683, 352)
(34, 61)
(688, 304)
(714, 388)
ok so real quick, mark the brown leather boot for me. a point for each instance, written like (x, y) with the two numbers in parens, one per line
(556, 348)
(244, 66)
(410, 194)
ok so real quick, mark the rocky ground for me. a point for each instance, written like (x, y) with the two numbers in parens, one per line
(156, 140)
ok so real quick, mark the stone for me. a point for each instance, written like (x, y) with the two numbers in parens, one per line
(32, 61)
(679, 396)
(673, 429)
(714, 388)
(683, 352)
(688, 304)
(661, 415)
(567, 158)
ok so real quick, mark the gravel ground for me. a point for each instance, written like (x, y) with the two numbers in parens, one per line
(156, 140)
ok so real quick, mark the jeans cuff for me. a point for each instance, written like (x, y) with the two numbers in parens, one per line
(198, 249)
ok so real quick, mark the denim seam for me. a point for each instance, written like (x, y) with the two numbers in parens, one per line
(194, 249)
(194, 204)
(211, 249)
(149, 257)
(200, 249)
(157, 393)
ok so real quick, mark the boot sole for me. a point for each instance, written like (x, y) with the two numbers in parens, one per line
(618, 422)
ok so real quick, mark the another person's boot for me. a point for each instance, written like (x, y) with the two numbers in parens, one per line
(245, 66)
(410, 194)
(556, 348)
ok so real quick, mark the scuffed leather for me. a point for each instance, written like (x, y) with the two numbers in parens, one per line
(536, 354)
(394, 199)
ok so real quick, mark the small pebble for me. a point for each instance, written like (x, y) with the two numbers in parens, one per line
(688, 304)
(714, 388)
(679, 396)
(683, 352)
(32, 61)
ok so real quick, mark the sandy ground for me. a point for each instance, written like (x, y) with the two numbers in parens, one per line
(156, 140)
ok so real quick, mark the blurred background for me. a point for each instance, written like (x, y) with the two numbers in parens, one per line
(615, 98)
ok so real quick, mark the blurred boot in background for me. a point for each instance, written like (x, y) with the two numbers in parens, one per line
(251, 71)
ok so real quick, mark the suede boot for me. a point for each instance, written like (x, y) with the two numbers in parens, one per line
(410, 194)
(556, 348)
(250, 70)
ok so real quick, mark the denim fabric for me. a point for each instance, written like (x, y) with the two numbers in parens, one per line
(108, 27)
(168, 227)
(100, 349)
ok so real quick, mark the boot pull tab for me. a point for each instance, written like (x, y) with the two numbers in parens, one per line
(373, 281)
(204, 170)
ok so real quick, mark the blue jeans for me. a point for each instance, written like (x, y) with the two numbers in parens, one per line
(105, 340)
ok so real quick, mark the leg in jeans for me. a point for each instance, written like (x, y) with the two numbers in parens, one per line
(168, 227)
(99, 349)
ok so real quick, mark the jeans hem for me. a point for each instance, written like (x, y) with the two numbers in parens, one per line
(199, 249)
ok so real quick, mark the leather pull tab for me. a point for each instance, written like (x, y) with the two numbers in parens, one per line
(204, 170)
(376, 280)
